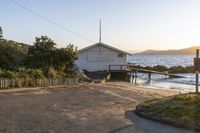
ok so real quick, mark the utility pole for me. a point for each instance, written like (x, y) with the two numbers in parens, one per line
(197, 67)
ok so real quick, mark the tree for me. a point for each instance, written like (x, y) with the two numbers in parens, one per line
(43, 54)
(65, 57)
(72, 52)
(44, 44)
(39, 55)
(1, 33)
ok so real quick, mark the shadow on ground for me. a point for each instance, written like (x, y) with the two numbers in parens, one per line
(141, 125)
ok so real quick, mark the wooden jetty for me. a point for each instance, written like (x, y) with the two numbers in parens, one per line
(156, 72)
(133, 71)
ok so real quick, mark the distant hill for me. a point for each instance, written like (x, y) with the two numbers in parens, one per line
(133, 51)
(190, 50)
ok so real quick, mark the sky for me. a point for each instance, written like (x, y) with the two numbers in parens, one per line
(126, 24)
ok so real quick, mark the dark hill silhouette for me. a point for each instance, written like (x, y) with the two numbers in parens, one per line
(190, 50)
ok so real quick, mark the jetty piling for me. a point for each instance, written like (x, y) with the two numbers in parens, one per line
(149, 76)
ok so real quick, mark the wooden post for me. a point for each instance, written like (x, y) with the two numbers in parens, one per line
(135, 74)
(197, 73)
(132, 76)
(197, 82)
(135, 77)
(166, 74)
(197, 67)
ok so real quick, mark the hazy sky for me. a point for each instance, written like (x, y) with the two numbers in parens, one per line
(126, 24)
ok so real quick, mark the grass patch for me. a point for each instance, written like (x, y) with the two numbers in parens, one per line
(181, 110)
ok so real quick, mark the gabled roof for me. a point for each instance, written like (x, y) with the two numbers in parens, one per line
(104, 45)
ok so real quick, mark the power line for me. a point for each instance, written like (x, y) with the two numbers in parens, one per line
(50, 21)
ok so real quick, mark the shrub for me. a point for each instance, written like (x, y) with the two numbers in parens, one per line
(52, 73)
(22, 73)
(38, 74)
(8, 74)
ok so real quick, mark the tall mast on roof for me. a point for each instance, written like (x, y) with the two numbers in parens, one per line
(100, 31)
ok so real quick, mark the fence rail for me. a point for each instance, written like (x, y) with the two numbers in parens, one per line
(20, 83)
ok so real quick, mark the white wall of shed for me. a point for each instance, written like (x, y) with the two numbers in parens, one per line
(99, 58)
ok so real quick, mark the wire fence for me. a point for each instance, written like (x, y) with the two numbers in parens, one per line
(21, 83)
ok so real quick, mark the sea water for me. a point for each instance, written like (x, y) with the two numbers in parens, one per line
(165, 60)
(160, 81)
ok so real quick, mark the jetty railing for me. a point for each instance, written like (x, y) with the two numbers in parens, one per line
(21, 83)
(118, 67)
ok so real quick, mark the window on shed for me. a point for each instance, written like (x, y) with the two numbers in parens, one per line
(120, 55)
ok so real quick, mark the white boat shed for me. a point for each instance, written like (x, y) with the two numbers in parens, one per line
(102, 57)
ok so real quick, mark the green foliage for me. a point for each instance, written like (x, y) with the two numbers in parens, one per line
(43, 44)
(64, 57)
(22, 73)
(71, 54)
(41, 60)
(8, 74)
(43, 54)
(30, 73)
(12, 54)
(40, 54)
(38, 74)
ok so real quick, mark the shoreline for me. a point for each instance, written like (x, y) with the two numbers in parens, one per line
(164, 88)
(167, 84)
(147, 91)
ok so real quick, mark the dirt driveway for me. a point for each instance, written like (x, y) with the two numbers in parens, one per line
(79, 109)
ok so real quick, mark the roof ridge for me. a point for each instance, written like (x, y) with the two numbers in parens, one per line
(105, 45)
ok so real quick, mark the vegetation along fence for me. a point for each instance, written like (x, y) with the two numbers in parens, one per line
(20, 83)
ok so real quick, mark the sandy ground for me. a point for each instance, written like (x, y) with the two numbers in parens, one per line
(83, 108)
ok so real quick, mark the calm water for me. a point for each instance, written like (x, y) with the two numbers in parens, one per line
(165, 60)
(159, 81)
